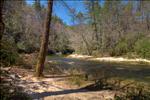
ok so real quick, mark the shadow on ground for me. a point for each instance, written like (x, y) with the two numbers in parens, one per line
(63, 92)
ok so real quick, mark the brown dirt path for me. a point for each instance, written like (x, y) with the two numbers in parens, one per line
(54, 88)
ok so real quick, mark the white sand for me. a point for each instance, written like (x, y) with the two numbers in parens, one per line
(108, 59)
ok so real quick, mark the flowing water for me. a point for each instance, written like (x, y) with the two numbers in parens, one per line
(138, 72)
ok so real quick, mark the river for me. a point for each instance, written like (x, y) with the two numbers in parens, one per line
(138, 72)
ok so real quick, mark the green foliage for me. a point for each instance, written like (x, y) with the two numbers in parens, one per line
(128, 7)
(56, 19)
(26, 47)
(142, 47)
(37, 5)
(8, 53)
(131, 55)
(117, 26)
(120, 49)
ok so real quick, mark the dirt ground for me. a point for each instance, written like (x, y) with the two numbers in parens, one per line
(54, 87)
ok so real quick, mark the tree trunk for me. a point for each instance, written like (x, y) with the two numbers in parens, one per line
(148, 21)
(44, 42)
(94, 25)
(1, 19)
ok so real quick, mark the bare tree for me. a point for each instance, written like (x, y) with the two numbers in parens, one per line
(44, 42)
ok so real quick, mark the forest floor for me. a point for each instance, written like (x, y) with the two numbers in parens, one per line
(52, 87)
(55, 86)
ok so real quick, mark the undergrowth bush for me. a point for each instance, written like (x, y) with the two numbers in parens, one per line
(142, 47)
(24, 47)
(8, 53)
(121, 48)
(134, 93)
(131, 55)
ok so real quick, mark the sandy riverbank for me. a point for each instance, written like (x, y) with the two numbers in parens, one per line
(108, 59)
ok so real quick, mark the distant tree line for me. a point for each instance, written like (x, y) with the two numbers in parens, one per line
(114, 28)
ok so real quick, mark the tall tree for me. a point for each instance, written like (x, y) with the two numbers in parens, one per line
(81, 19)
(38, 8)
(44, 42)
(37, 5)
(93, 9)
(1, 19)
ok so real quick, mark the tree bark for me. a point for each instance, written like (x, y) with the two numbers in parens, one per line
(94, 25)
(44, 42)
(1, 19)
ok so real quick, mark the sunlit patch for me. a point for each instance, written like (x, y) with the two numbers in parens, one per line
(109, 59)
(70, 63)
(147, 77)
(120, 68)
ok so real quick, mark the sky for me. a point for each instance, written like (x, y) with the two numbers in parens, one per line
(61, 11)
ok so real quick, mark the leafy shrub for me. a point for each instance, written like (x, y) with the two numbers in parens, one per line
(8, 53)
(8, 57)
(24, 47)
(121, 48)
(142, 47)
(132, 55)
